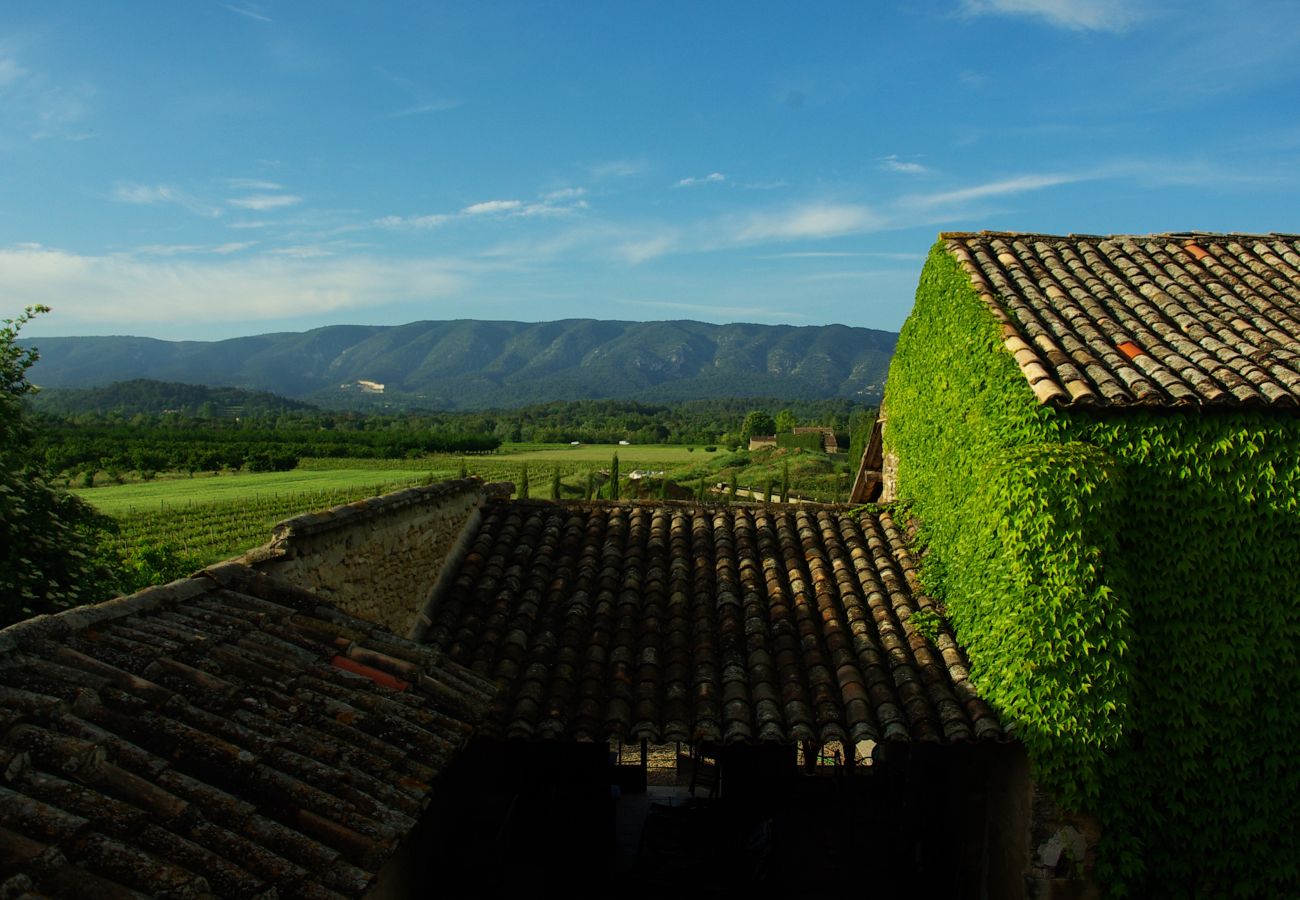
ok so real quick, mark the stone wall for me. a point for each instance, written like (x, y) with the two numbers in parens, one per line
(378, 558)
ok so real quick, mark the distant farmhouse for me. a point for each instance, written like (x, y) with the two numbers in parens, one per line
(1100, 439)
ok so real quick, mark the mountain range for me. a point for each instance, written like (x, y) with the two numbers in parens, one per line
(471, 364)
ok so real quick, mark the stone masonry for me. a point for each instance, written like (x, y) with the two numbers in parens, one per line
(378, 558)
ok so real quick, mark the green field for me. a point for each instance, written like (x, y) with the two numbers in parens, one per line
(633, 454)
(213, 517)
(152, 496)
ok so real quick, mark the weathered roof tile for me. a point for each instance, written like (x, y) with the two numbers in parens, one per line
(1198, 319)
(199, 738)
(674, 622)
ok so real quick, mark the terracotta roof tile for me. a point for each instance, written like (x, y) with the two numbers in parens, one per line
(1154, 320)
(200, 738)
(675, 622)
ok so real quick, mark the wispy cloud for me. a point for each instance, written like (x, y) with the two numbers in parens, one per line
(566, 193)
(418, 222)
(1017, 185)
(618, 168)
(253, 184)
(263, 202)
(644, 249)
(122, 290)
(190, 249)
(1076, 15)
(421, 100)
(160, 194)
(488, 207)
(816, 220)
(248, 10)
(552, 205)
(892, 163)
(39, 106)
(711, 178)
(10, 71)
(718, 311)
(422, 109)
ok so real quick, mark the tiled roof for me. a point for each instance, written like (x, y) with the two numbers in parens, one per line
(1155, 320)
(674, 622)
(227, 734)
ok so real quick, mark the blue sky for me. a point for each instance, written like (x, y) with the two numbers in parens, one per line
(208, 169)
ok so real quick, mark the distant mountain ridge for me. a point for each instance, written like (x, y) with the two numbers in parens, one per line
(470, 363)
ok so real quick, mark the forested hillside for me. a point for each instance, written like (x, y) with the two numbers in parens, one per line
(470, 364)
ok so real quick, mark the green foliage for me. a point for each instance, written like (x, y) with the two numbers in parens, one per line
(927, 622)
(808, 441)
(555, 483)
(785, 481)
(757, 423)
(157, 562)
(50, 541)
(785, 422)
(613, 477)
(522, 492)
(1126, 588)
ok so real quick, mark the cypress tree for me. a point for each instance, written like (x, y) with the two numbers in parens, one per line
(731, 493)
(785, 481)
(555, 484)
(591, 484)
(523, 482)
(613, 477)
(770, 484)
(464, 470)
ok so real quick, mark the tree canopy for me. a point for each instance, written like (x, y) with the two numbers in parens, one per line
(48, 538)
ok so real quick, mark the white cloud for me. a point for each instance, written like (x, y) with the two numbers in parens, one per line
(158, 194)
(124, 291)
(253, 184)
(263, 202)
(423, 222)
(422, 109)
(489, 207)
(719, 311)
(568, 193)
(1016, 185)
(818, 220)
(10, 71)
(147, 194)
(545, 208)
(249, 10)
(188, 249)
(892, 163)
(618, 168)
(711, 178)
(639, 251)
(39, 106)
(1076, 15)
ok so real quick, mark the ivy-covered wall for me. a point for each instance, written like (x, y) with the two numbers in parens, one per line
(1128, 587)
